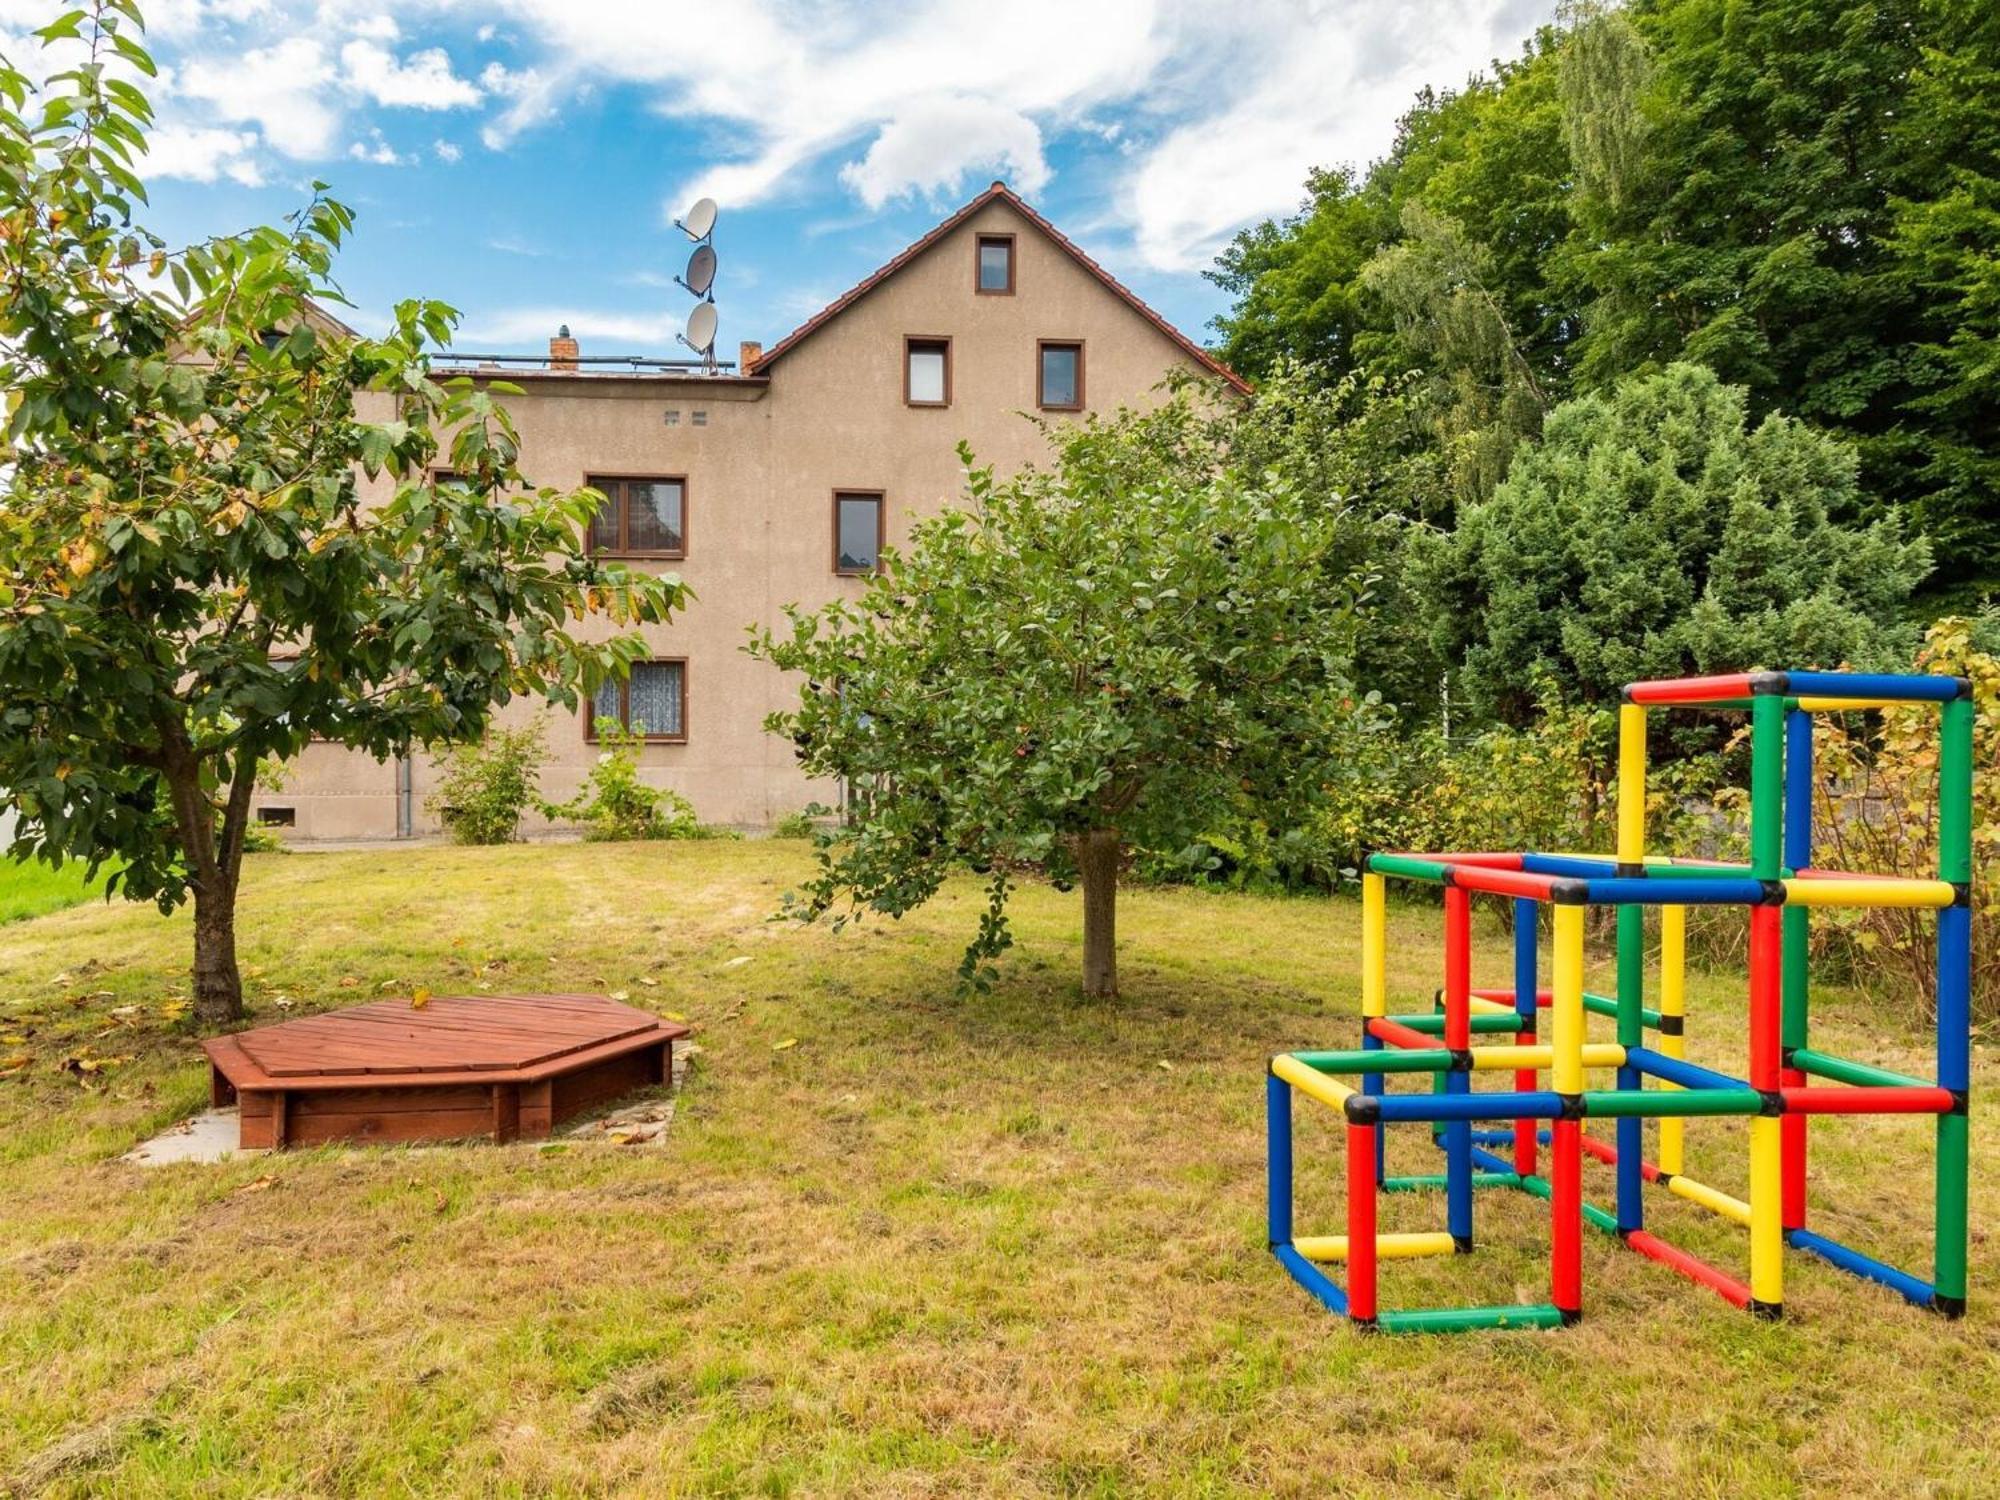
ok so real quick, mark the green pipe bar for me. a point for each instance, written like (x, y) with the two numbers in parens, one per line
(1386, 1060)
(1433, 1024)
(1402, 864)
(1845, 1070)
(1604, 1005)
(1462, 1319)
(1427, 1181)
(1539, 1186)
(1612, 1104)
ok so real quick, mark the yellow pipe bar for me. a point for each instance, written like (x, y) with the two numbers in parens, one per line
(1886, 891)
(1490, 1007)
(1631, 783)
(1326, 1247)
(1713, 1199)
(1310, 1081)
(1568, 998)
(1830, 705)
(1595, 1055)
(1673, 1002)
(1374, 945)
(1767, 1233)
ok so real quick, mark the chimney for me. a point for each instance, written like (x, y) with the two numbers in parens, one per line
(747, 354)
(562, 350)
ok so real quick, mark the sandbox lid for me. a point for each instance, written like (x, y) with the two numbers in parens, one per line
(492, 1037)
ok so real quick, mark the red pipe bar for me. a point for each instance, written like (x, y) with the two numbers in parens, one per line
(1502, 882)
(1396, 1034)
(1692, 1267)
(1884, 1100)
(1361, 1222)
(1605, 1152)
(1691, 689)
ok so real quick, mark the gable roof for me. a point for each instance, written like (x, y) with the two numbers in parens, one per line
(1000, 193)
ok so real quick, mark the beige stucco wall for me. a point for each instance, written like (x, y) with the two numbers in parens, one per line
(760, 478)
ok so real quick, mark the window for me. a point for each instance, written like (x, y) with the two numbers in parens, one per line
(927, 372)
(653, 698)
(857, 530)
(277, 817)
(701, 419)
(640, 517)
(1059, 376)
(673, 416)
(993, 271)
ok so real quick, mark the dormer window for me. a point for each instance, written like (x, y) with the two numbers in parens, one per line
(927, 371)
(993, 272)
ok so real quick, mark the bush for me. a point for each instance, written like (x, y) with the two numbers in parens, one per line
(795, 825)
(615, 806)
(485, 788)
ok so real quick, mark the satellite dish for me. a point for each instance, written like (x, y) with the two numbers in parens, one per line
(700, 275)
(701, 328)
(699, 221)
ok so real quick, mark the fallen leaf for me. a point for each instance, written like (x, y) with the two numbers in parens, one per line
(258, 1184)
(674, 1015)
(12, 1064)
(621, 994)
(649, 981)
(1165, 1066)
(790, 1041)
(737, 962)
(419, 998)
(349, 981)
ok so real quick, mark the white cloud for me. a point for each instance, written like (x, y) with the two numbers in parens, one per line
(376, 150)
(932, 144)
(531, 94)
(446, 151)
(377, 28)
(1320, 89)
(276, 88)
(201, 154)
(529, 325)
(423, 80)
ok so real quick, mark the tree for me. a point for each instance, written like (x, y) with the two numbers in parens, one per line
(1083, 662)
(1655, 533)
(190, 579)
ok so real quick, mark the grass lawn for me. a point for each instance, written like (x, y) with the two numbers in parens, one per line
(34, 890)
(992, 1245)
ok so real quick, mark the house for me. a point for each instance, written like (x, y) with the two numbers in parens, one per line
(780, 483)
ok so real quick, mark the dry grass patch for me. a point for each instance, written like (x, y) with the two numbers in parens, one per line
(992, 1245)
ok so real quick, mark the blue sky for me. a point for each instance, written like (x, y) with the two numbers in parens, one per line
(522, 159)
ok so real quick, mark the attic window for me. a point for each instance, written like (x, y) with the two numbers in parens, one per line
(994, 270)
(700, 418)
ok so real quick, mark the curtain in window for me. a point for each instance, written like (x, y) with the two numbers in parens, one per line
(656, 697)
(653, 516)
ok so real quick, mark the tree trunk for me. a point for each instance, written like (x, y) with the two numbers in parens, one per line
(1097, 862)
(218, 986)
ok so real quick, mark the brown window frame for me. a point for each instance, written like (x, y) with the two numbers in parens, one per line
(911, 342)
(979, 243)
(1044, 344)
(625, 705)
(625, 518)
(881, 499)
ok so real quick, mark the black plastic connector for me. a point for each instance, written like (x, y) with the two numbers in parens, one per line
(1779, 683)
(1365, 1325)
(1673, 1025)
(1952, 1308)
(1569, 891)
(1572, 1106)
(1961, 1101)
(1774, 892)
(1773, 1105)
(1788, 1057)
(1770, 1312)
(1628, 871)
(1461, 1060)
(1664, 1179)
(1571, 1316)
(1961, 893)
(1362, 1109)
(1461, 1244)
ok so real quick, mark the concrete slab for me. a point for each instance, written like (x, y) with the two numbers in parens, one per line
(209, 1137)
